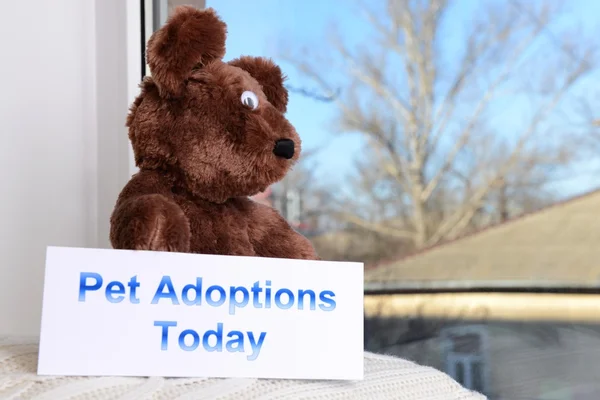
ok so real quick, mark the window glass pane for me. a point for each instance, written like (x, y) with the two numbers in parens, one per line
(354, 200)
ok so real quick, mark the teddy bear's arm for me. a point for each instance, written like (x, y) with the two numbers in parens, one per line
(272, 236)
(147, 218)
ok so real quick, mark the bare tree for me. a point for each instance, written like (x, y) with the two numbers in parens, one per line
(586, 120)
(451, 132)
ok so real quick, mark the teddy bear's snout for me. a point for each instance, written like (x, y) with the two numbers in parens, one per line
(284, 148)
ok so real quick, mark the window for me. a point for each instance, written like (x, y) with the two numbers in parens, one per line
(464, 352)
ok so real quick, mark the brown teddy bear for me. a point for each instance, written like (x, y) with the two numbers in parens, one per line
(206, 135)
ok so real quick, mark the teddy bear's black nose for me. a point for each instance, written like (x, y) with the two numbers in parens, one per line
(284, 148)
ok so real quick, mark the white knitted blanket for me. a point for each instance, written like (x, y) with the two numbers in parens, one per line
(385, 378)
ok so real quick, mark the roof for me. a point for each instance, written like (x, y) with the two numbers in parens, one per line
(557, 246)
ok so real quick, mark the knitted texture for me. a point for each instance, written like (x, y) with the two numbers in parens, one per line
(385, 378)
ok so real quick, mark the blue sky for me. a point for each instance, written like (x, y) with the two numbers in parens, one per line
(260, 27)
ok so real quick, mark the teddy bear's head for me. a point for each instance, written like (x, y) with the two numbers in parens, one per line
(217, 127)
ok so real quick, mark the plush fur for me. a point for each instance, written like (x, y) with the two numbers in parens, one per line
(203, 148)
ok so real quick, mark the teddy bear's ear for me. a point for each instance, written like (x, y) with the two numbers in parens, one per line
(190, 37)
(269, 76)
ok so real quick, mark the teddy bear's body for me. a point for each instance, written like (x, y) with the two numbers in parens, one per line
(206, 135)
(239, 226)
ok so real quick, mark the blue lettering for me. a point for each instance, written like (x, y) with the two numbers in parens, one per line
(256, 345)
(164, 335)
(313, 299)
(197, 289)
(278, 302)
(212, 340)
(115, 288)
(83, 286)
(218, 335)
(326, 297)
(256, 289)
(133, 285)
(233, 301)
(165, 281)
(209, 299)
(238, 341)
(268, 295)
(195, 342)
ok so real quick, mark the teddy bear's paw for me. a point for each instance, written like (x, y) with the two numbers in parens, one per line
(160, 237)
(151, 222)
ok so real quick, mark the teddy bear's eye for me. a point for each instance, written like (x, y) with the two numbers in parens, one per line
(249, 99)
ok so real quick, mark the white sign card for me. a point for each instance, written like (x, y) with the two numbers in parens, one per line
(144, 313)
